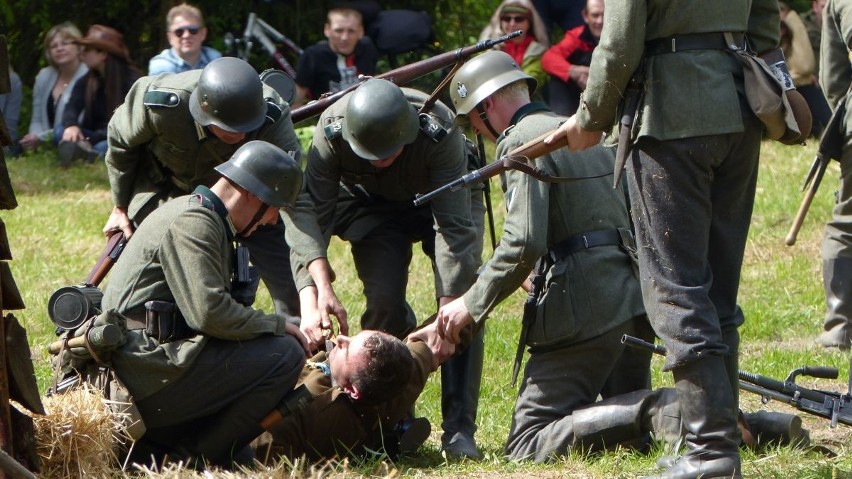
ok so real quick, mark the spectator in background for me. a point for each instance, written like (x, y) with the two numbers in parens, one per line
(186, 32)
(527, 49)
(564, 13)
(334, 64)
(568, 61)
(53, 84)
(96, 95)
(10, 107)
(802, 65)
(813, 23)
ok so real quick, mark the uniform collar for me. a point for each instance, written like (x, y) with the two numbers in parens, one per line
(527, 109)
(211, 201)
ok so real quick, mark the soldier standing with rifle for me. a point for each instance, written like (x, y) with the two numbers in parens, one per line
(692, 175)
(371, 155)
(168, 136)
(576, 239)
(835, 77)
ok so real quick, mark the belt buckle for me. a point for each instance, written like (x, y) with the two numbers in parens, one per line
(585, 242)
(674, 44)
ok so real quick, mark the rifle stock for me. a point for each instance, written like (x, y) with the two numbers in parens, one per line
(832, 406)
(403, 74)
(528, 151)
(114, 247)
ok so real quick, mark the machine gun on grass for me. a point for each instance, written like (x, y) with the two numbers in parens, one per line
(835, 407)
(404, 74)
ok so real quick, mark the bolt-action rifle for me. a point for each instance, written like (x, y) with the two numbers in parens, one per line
(517, 159)
(835, 407)
(404, 74)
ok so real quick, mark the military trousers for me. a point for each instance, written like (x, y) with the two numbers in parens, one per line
(691, 202)
(214, 409)
(382, 258)
(560, 380)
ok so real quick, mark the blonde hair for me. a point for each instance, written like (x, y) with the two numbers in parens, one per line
(345, 12)
(67, 30)
(184, 10)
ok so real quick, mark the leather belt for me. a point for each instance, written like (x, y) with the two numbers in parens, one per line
(135, 320)
(693, 41)
(589, 239)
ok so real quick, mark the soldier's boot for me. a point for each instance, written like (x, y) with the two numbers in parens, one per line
(709, 416)
(837, 282)
(460, 381)
(627, 419)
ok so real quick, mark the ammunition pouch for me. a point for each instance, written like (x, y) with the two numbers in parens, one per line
(165, 323)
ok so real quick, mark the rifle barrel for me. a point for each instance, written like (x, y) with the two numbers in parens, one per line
(404, 74)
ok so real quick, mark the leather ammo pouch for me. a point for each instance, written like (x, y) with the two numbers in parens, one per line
(164, 322)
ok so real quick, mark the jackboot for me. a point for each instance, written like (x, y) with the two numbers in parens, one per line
(837, 283)
(628, 419)
(731, 338)
(710, 422)
(460, 381)
(771, 428)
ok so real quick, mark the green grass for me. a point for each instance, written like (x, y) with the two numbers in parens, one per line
(55, 237)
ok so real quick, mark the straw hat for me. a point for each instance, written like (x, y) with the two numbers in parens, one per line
(106, 39)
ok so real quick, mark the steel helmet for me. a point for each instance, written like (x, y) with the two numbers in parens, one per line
(229, 95)
(481, 76)
(265, 171)
(379, 120)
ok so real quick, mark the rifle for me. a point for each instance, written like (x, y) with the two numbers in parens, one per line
(511, 161)
(114, 247)
(832, 406)
(403, 74)
(830, 148)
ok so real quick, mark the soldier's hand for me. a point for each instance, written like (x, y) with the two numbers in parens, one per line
(118, 221)
(311, 324)
(329, 305)
(576, 137)
(441, 348)
(452, 318)
(293, 330)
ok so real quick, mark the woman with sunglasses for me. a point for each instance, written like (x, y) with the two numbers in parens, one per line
(186, 33)
(527, 49)
(96, 95)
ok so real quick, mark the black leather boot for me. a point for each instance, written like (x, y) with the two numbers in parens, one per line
(709, 415)
(460, 380)
(628, 419)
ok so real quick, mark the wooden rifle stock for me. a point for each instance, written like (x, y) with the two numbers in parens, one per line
(528, 151)
(114, 247)
(403, 74)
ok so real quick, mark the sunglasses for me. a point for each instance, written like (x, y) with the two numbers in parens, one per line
(513, 18)
(180, 31)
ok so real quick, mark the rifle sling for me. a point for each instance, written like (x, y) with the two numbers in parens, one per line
(510, 163)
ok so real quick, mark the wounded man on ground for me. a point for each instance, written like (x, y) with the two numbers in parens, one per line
(361, 392)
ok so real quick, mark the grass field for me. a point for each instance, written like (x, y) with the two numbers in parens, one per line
(55, 239)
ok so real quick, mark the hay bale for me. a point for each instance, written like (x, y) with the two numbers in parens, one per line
(79, 435)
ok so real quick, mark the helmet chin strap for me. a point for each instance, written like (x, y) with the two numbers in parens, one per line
(257, 216)
(484, 117)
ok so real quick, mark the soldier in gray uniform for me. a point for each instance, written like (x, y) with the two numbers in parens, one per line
(371, 155)
(170, 133)
(835, 77)
(692, 175)
(205, 369)
(576, 237)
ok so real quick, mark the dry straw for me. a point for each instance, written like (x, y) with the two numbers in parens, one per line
(78, 435)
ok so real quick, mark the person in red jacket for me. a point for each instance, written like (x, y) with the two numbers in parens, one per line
(568, 61)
